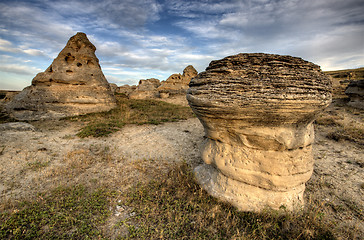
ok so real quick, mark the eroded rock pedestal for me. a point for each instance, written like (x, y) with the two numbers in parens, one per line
(355, 91)
(72, 85)
(257, 111)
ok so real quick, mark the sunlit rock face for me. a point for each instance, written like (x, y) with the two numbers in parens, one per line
(126, 89)
(177, 84)
(72, 85)
(257, 110)
(146, 89)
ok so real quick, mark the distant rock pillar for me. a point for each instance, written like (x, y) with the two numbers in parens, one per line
(257, 110)
(355, 92)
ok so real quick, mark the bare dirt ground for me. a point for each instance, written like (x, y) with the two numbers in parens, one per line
(32, 161)
(338, 179)
(52, 155)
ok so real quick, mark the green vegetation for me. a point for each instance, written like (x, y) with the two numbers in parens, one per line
(100, 129)
(37, 165)
(172, 206)
(131, 111)
(65, 213)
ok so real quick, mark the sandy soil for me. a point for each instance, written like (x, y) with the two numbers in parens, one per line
(32, 161)
(52, 155)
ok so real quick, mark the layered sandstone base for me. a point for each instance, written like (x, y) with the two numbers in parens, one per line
(258, 167)
(244, 196)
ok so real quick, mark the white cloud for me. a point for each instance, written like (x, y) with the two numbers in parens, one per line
(4, 43)
(15, 73)
(198, 8)
(192, 56)
(7, 46)
(34, 52)
(18, 69)
(110, 13)
(324, 31)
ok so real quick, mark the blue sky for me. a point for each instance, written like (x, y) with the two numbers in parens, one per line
(139, 39)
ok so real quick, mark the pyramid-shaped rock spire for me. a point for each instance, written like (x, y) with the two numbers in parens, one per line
(72, 85)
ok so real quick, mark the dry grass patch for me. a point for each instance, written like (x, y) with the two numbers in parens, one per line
(131, 111)
(171, 206)
(175, 207)
(344, 125)
(344, 212)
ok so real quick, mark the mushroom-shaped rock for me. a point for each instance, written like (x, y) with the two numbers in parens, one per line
(73, 84)
(257, 110)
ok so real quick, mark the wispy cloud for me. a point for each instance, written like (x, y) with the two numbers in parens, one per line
(7, 46)
(324, 31)
(18, 69)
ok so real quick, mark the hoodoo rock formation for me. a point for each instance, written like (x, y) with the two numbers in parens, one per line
(355, 91)
(73, 84)
(147, 88)
(257, 110)
(177, 83)
(126, 89)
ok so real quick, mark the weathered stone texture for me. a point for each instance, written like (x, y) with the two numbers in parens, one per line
(126, 89)
(113, 87)
(146, 89)
(355, 92)
(73, 84)
(177, 83)
(257, 111)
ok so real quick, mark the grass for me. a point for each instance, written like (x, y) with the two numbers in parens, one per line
(349, 134)
(65, 213)
(341, 130)
(130, 111)
(100, 129)
(175, 207)
(171, 206)
(37, 165)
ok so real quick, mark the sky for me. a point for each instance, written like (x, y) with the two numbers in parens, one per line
(140, 39)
